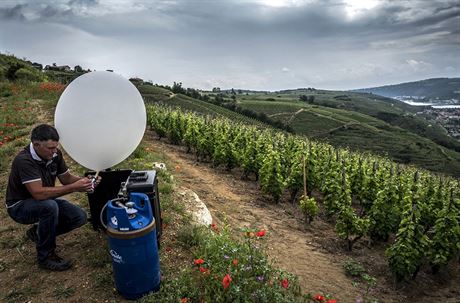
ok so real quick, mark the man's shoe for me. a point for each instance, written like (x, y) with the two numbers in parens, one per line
(53, 265)
(54, 257)
(32, 234)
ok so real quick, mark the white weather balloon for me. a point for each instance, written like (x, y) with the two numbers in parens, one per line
(101, 119)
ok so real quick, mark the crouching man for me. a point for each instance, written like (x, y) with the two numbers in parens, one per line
(32, 197)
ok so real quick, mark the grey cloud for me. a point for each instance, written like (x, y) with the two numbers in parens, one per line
(15, 12)
(83, 2)
(52, 12)
(241, 42)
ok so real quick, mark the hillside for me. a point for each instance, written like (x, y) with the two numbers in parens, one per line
(155, 94)
(429, 89)
(236, 206)
(358, 121)
(15, 69)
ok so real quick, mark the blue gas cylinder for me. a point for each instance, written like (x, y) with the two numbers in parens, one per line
(133, 246)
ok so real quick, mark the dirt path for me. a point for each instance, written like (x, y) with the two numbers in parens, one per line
(240, 204)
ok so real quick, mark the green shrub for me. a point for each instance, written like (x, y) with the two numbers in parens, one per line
(309, 208)
(353, 268)
(25, 74)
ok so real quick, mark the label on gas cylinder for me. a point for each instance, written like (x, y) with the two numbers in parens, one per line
(116, 257)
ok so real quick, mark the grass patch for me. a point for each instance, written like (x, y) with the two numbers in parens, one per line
(20, 295)
(102, 279)
(63, 292)
(11, 242)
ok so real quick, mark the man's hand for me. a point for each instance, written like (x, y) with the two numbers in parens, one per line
(97, 181)
(83, 185)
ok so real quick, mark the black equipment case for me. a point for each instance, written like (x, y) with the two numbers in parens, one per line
(111, 185)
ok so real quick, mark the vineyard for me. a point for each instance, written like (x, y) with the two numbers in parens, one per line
(380, 127)
(191, 104)
(367, 197)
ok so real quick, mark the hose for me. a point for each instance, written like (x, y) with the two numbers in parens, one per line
(104, 207)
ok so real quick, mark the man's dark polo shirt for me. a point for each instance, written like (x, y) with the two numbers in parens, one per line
(27, 168)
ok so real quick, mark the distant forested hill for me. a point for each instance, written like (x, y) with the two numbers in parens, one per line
(432, 89)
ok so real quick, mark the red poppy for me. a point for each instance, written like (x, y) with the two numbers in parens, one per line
(226, 281)
(214, 227)
(318, 298)
(198, 261)
(260, 233)
(235, 262)
(285, 283)
(183, 300)
(204, 270)
(331, 301)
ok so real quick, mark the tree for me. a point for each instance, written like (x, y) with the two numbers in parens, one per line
(11, 71)
(178, 89)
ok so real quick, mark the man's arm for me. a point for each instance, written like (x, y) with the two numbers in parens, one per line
(40, 192)
(67, 178)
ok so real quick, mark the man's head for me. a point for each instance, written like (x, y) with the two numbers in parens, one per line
(45, 140)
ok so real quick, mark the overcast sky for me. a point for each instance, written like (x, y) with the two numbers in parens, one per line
(250, 44)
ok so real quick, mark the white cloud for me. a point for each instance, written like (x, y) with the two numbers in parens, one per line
(418, 65)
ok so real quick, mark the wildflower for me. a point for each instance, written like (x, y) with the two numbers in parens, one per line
(214, 227)
(260, 233)
(198, 261)
(260, 278)
(226, 281)
(183, 300)
(318, 298)
(235, 262)
(204, 270)
(285, 283)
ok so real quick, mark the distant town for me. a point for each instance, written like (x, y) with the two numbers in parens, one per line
(443, 112)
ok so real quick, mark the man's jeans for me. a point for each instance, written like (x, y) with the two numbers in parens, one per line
(55, 217)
